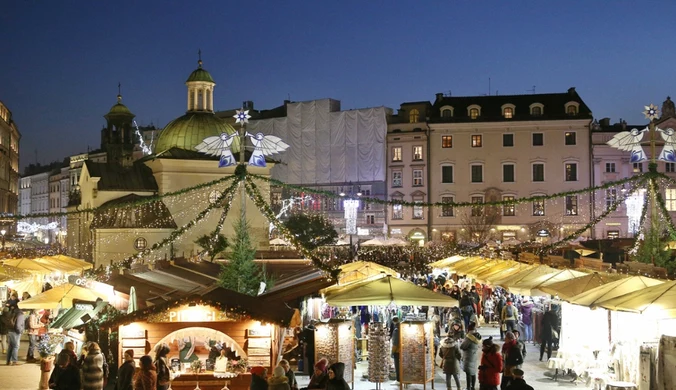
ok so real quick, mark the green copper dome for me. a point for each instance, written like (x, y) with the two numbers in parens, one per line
(119, 108)
(189, 130)
(200, 74)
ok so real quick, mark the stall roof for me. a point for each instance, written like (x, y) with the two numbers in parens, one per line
(297, 285)
(173, 282)
(73, 316)
(146, 291)
(222, 298)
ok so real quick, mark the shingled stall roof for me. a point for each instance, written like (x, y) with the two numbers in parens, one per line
(137, 177)
(297, 285)
(72, 317)
(147, 292)
(554, 107)
(152, 215)
(226, 300)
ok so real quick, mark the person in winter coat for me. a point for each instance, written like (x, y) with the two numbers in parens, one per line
(17, 324)
(92, 369)
(550, 324)
(69, 348)
(4, 328)
(278, 380)
(320, 377)
(470, 355)
(394, 338)
(33, 331)
(289, 373)
(467, 305)
(125, 375)
(527, 319)
(511, 353)
(491, 366)
(65, 376)
(520, 344)
(146, 377)
(336, 380)
(456, 325)
(450, 361)
(499, 306)
(518, 383)
(162, 367)
(258, 381)
(509, 316)
(455, 292)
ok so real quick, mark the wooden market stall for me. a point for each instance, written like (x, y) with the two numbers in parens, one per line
(194, 327)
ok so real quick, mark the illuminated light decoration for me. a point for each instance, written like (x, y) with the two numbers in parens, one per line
(287, 204)
(651, 112)
(351, 206)
(635, 210)
(668, 153)
(30, 228)
(219, 146)
(630, 141)
(264, 145)
(242, 116)
(146, 149)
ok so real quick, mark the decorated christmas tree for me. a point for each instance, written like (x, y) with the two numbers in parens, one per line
(241, 273)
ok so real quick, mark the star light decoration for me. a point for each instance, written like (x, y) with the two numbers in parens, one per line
(242, 117)
(651, 112)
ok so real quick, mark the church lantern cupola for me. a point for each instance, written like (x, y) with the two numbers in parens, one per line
(200, 89)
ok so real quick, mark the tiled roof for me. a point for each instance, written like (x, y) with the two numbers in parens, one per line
(138, 177)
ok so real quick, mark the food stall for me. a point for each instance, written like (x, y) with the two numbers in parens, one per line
(196, 329)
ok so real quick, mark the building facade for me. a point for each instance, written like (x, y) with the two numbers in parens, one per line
(9, 163)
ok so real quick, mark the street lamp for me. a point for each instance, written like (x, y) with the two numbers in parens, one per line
(3, 232)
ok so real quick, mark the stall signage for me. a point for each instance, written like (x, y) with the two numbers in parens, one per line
(543, 233)
(198, 313)
(84, 306)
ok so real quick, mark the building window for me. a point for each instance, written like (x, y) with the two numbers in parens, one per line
(447, 209)
(476, 140)
(638, 167)
(538, 139)
(508, 113)
(670, 199)
(508, 140)
(477, 172)
(477, 211)
(447, 174)
(446, 141)
(397, 179)
(418, 210)
(417, 178)
(610, 167)
(370, 219)
(396, 153)
(571, 109)
(508, 173)
(539, 207)
(570, 138)
(571, 205)
(417, 153)
(446, 114)
(538, 172)
(140, 244)
(413, 116)
(571, 172)
(397, 211)
(670, 167)
(508, 210)
(611, 197)
(473, 113)
(536, 111)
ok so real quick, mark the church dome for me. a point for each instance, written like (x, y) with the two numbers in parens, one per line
(189, 130)
(200, 74)
(119, 108)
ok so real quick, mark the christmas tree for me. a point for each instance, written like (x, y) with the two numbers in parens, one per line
(241, 273)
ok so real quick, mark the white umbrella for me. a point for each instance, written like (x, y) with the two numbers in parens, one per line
(278, 241)
(395, 242)
(132, 307)
(341, 242)
(512, 242)
(373, 242)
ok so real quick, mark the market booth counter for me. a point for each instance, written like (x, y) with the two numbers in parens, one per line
(197, 328)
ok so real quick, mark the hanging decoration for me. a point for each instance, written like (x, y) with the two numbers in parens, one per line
(668, 153)
(219, 146)
(630, 141)
(146, 149)
(264, 145)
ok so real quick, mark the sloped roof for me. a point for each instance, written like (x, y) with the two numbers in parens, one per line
(152, 215)
(114, 177)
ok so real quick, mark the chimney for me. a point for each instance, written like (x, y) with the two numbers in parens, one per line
(604, 122)
(248, 105)
(623, 123)
(439, 96)
(571, 90)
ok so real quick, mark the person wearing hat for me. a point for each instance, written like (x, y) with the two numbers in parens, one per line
(394, 337)
(450, 361)
(512, 358)
(258, 378)
(509, 316)
(491, 365)
(518, 383)
(336, 377)
(278, 380)
(125, 374)
(319, 378)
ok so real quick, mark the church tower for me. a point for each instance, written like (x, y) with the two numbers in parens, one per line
(117, 138)
(668, 108)
(200, 89)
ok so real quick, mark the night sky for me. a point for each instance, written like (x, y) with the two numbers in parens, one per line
(61, 61)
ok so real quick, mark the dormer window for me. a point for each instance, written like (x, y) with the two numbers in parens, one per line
(447, 112)
(572, 108)
(413, 116)
(536, 109)
(508, 111)
(474, 111)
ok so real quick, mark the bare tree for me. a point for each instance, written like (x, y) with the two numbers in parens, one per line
(477, 223)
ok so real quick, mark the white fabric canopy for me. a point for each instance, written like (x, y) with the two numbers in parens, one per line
(373, 242)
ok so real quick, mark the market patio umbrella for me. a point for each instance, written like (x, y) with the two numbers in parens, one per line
(658, 301)
(62, 295)
(279, 242)
(361, 270)
(470, 264)
(569, 288)
(63, 266)
(133, 305)
(613, 289)
(33, 266)
(443, 263)
(386, 290)
(502, 266)
(373, 242)
(532, 285)
(396, 242)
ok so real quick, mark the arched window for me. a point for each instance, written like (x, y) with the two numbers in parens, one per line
(414, 116)
(473, 113)
(508, 113)
(447, 113)
(571, 110)
(536, 111)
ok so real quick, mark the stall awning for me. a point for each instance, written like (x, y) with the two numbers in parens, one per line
(362, 270)
(658, 301)
(443, 263)
(8, 272)
(33, 266)
(613, 290)
(531, 271)
(569, 288)
(62, 295)
(388, 290)
(71, 262)
(72, 317)
(532, 285)
(509, 267)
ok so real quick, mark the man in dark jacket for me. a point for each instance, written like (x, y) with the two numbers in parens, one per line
(125, 375)
(518, 383)
(550, 325)
(17, 324)
(336, 379)
(520, 344)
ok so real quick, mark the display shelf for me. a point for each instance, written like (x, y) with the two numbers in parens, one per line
(416, 365)
(378, 354)
(334, 341)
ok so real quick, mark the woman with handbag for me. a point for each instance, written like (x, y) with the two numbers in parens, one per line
(450, 361)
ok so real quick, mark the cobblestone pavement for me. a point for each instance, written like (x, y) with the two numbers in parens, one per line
(25, 376)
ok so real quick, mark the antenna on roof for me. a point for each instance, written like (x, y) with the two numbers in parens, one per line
(489, 86)
(532, 90)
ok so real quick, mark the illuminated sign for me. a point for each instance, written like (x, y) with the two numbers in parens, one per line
(543, 233)
(83, 306)
(185, 313)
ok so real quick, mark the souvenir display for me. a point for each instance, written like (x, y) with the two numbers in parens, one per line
(378, 353)
(334, 341)
(417, 352)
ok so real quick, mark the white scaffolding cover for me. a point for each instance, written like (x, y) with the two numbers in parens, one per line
(328, 145)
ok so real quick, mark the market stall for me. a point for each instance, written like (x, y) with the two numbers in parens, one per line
(197, 328)
(567, 289)
(61, 297)
(533, 284)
